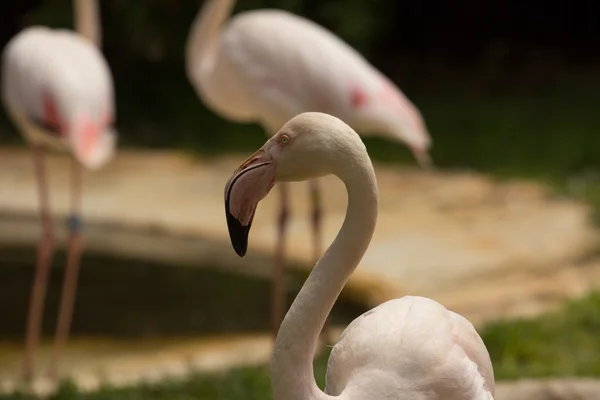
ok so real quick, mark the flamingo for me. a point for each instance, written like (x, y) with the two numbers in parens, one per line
(406, 348)
(267, 66)
(58, 91)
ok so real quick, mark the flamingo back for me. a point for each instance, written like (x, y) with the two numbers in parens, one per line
(415, 345)
(58, 89)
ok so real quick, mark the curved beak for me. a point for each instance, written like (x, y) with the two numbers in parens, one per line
(248, 185)
(93, 143)
(423, 158)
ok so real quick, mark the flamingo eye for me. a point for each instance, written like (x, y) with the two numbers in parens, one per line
(285, 139)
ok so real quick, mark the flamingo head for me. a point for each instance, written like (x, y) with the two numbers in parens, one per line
(388, 113)
(93, 142)
(408, 128)
(308, 146)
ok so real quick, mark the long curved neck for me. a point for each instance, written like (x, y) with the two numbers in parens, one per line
(87, 21)
(204, 34)
(292, 363)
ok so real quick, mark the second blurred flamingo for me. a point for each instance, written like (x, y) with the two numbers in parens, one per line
(58, 90)
(267, 66)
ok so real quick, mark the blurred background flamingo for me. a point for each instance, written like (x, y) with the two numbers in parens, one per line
(267, 66)
(58, 91)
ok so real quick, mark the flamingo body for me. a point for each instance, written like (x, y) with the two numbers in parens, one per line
(411, 345)
(270, 65)
(58, 89)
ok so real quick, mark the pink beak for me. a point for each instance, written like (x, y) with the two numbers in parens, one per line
(248, 185)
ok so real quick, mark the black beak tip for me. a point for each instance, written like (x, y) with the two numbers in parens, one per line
(238, 234)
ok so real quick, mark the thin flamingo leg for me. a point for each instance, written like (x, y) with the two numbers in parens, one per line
(69, 290)
(316, 218)
(278, 295)
(44, 260)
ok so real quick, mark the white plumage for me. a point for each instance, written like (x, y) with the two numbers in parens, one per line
(409, 348)
(267, 66)
(428, 353)
(58, 68)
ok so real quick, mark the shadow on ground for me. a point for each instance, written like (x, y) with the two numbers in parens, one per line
(127, 298)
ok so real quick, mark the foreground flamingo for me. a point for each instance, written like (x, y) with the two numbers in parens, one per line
(407, 348)
(58, 90)
(267, 66)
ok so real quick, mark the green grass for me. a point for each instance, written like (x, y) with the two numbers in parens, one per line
(241, 383)
(247, 383)
(561, 343)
